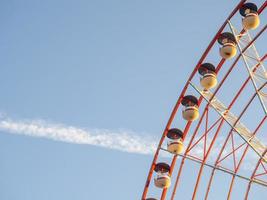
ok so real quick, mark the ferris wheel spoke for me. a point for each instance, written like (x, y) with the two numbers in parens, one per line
(248, 65)
(252, 178)
(203, 130)
(234, 122)
(219, 168)
(235, 171)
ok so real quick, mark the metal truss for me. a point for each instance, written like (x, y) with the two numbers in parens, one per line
(252, 59)
(210, 128)
(234, 122)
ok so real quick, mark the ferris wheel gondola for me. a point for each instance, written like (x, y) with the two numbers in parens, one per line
(233, 46)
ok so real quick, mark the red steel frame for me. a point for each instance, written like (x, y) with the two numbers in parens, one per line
(219, 122)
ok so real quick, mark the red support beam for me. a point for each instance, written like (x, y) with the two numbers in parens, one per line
(177, 105)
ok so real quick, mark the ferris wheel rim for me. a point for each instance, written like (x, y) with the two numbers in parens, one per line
(179, 101)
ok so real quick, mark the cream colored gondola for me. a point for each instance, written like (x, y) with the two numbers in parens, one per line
(228, 42)
(175, 144)
(190, 111)
(163, 179)
(251, 18)
(208, 77)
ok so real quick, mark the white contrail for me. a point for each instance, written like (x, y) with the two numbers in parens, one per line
(126, 141)
(122, 140)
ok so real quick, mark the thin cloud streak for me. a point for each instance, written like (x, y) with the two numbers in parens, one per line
(126, 141)
(122, 140)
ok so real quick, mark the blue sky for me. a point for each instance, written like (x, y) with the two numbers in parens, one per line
(115, 65)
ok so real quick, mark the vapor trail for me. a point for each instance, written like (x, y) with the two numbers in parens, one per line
(122, 140)
(126, 141)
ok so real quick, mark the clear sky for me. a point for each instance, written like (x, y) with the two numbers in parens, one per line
(114, 65)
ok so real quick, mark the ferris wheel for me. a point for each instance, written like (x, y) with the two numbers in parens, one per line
(215, 139)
